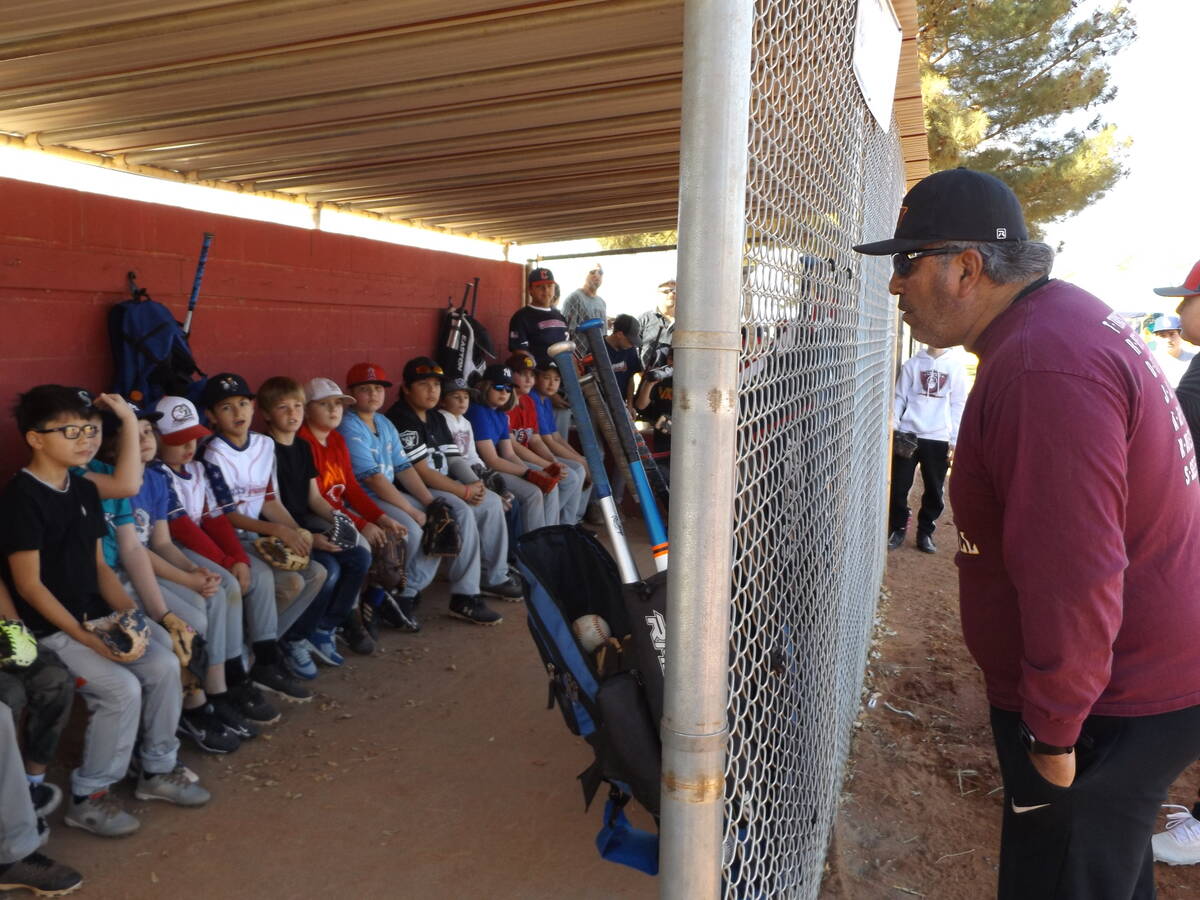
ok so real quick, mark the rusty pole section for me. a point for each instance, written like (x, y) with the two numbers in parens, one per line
(712, 192)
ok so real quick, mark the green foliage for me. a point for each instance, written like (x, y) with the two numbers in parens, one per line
(646, 239)
(1012, 87)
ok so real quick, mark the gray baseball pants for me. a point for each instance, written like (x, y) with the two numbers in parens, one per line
(294, 591)
(18, 822)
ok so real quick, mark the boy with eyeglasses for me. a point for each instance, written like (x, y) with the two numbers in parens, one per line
(51, 529)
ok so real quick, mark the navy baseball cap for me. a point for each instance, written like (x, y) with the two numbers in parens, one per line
(540, 276)
(498, 375)
(421, 368)
(223, 386)
(954, 205)
(451, 383)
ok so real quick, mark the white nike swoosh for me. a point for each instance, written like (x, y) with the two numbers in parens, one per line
(1024, 809)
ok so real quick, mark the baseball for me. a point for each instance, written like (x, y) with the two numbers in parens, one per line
(591, 631)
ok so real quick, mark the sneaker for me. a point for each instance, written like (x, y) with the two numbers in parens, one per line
(298, 660)
(43, 832)
(925, 543)
(368, 613)
(225, 709)
(174, 787)
(355, 634)
(397, 611)
(45, 797)
(1179, 845)
(273, 680)
(473, 609)
(323, 648)
(252, 705)
(100, 814)
(896, 538)
(41, 875)
(511, 590)
(208, 732)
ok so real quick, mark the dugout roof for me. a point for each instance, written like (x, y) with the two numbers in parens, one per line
(532, 121)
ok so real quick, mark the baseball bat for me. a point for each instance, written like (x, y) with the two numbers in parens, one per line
(593, 333)
(195, 298)
(563, 353)
(603, 423)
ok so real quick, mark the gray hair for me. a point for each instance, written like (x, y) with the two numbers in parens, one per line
(1008, 262)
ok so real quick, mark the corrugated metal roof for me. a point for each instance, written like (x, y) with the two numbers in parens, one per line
(531, 121)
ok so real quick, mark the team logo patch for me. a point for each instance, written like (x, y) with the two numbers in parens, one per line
(1001, 234)
(900, 218)
(229, 384)
(180, 413)
(409, 439)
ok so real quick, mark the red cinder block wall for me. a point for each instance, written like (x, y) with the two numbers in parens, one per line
(276, 300)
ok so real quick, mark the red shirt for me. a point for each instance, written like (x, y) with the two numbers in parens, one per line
(1076, 499)
(335, 478)
(522, 419)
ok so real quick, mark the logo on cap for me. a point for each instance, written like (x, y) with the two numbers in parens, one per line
(371, 373)
(229, 384)
(180, 412)
(903, 213)
(85, 397)
(1001, 234)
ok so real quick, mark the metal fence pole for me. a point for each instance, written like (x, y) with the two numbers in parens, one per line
(713, 161)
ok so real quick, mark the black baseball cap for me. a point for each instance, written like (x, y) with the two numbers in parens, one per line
(540, 275)
(421, 368)
(451, 383)
(222, 386)
(954, 205)
(498, 375)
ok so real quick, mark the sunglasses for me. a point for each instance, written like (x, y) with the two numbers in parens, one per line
(507, 388)
(72, 432)
(902, 263)
(428, 370)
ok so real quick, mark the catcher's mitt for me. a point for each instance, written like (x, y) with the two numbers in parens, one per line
(540, 479)
(904, 444)
(279, 555)
(440, 536)
(125, 633)
(342, 532)
(18, 648)
(387, 564)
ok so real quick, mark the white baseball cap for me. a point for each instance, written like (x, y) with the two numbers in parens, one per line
(179, 423)
(324, 388)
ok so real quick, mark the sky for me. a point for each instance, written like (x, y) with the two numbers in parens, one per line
(1146, 232)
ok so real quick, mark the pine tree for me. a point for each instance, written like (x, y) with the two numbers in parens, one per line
(1013, 87)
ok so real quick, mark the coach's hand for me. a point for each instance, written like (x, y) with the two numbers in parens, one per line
(1058, 769)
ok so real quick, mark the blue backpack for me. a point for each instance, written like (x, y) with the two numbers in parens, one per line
(151, 356)
(604, 698)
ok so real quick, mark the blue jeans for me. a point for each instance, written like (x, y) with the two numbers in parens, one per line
(346, 574)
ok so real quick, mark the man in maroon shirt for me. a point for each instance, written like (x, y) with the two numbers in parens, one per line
(1076, 499)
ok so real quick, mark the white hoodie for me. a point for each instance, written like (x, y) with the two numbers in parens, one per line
(930, 396)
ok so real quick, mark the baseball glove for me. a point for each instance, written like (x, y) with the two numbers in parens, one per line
(18, 648)
(904, 444)
(440, 536)
(387, 564)
(125, 633)
(342, 532)
(555, 471)
(279, 555)
(491, 479)
(182, 635)
(538, 478)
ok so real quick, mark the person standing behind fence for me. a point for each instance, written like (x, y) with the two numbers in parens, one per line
(1078, 518)
(930, 394)
(584, 303)
(657, 327)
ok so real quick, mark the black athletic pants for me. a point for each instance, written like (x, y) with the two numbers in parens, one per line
(1090, 841)
(934, 459)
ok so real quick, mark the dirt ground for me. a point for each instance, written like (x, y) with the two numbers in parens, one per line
(921, 806)
(430, 770)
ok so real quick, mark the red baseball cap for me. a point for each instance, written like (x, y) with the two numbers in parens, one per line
(366, 373)
(1189, 288)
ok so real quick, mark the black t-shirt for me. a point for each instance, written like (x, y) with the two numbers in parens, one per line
(659, 405)
(430, 438)
(294, 469)
(534, 329)
(63, 526)
(625, 363)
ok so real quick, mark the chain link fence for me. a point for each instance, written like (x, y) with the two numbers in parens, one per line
(816, 376)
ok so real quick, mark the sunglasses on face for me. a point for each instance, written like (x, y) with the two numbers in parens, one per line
(902, 263)
(72, 432)
(506, 388)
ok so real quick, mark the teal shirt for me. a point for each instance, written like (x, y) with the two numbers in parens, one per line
(116, 513)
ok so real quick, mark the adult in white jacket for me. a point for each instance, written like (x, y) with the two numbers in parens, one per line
(930, 395)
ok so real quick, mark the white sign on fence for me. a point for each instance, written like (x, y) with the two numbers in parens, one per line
(877, 40)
